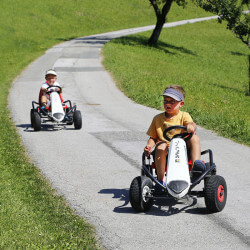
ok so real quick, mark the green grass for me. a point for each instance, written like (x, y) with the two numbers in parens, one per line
(205, 58)
(32, 214)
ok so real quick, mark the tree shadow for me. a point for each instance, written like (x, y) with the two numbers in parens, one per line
(94, 38)
(65, 39)
(238, 54)
(162, 207)
(91, 40)
(230, 89)
(162, 46)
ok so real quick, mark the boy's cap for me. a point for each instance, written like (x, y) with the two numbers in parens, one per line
(174, 94)
(50, 72)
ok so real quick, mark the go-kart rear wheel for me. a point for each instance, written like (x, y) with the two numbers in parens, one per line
(35, 120)
(32, 117)
(77, 118)
(215, 193)
(139, 188)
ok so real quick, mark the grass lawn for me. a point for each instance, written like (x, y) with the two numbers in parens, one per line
(205, 58)
(32, 215)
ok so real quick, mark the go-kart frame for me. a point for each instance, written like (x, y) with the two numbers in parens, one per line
(38, 115)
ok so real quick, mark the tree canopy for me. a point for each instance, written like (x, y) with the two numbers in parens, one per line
(231, 11)
(238, 20)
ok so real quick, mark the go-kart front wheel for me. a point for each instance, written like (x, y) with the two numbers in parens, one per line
(140, 187)
(215, 193)
(35, 120)
(77, 119)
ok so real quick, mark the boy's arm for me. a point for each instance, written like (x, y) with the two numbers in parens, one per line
(44, 87)
(150, 144)
(58, 89)
(191, 127)
(44, 90)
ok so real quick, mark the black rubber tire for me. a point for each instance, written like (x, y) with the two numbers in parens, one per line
(77, 118)
(138, 187)
(32, 117)
(215, 193)
(36, 120)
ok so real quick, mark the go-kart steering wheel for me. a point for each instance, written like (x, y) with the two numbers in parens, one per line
(49, 91)
(186, 136)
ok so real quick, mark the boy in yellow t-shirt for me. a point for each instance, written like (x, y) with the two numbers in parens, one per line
(173, 100)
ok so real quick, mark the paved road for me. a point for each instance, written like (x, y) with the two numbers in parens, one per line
(93, 167)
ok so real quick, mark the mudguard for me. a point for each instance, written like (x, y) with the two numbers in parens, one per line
(178, 178)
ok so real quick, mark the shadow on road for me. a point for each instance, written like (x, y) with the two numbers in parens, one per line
(45, 127)
(163, 207)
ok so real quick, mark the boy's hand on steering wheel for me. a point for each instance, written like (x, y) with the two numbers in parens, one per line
(191, 127)
(147, 151)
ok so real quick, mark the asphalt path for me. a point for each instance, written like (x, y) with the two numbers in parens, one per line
(93, 167)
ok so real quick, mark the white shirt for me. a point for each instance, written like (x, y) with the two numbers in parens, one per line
(46, 85)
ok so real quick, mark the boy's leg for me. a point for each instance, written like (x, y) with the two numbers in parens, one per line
(195, 148)
(44, 100)
(161, 152)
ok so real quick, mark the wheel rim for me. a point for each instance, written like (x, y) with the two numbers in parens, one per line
(145, 191)
(220, 193)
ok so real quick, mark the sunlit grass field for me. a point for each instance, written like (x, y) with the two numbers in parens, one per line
(32, 214)
(205, 58)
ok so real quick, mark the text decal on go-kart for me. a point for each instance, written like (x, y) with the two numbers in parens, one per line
(177, 151)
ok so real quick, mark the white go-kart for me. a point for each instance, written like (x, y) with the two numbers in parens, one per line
(180, 179)
(59, 112)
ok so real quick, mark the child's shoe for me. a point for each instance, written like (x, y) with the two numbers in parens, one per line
(44, 110)
(198, 169)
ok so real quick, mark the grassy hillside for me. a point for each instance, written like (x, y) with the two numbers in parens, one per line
(32, 214)
(205, 58)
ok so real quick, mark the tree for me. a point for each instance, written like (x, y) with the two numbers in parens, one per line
(238, 21)
(161, 8)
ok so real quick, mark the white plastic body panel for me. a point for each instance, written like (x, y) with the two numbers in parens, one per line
(56, 107)
(177, 167)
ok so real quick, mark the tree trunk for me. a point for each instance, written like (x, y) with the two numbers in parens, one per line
(156, 32)
(161, 19)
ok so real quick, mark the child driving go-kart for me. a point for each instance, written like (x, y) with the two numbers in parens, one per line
(173, 100)
(174, 167)
(51, 107)
(44, 97)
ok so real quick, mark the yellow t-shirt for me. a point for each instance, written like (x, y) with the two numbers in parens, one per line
(160, 123)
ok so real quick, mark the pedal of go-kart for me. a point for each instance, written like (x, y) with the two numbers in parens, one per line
(177, 186)
(158, 191)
